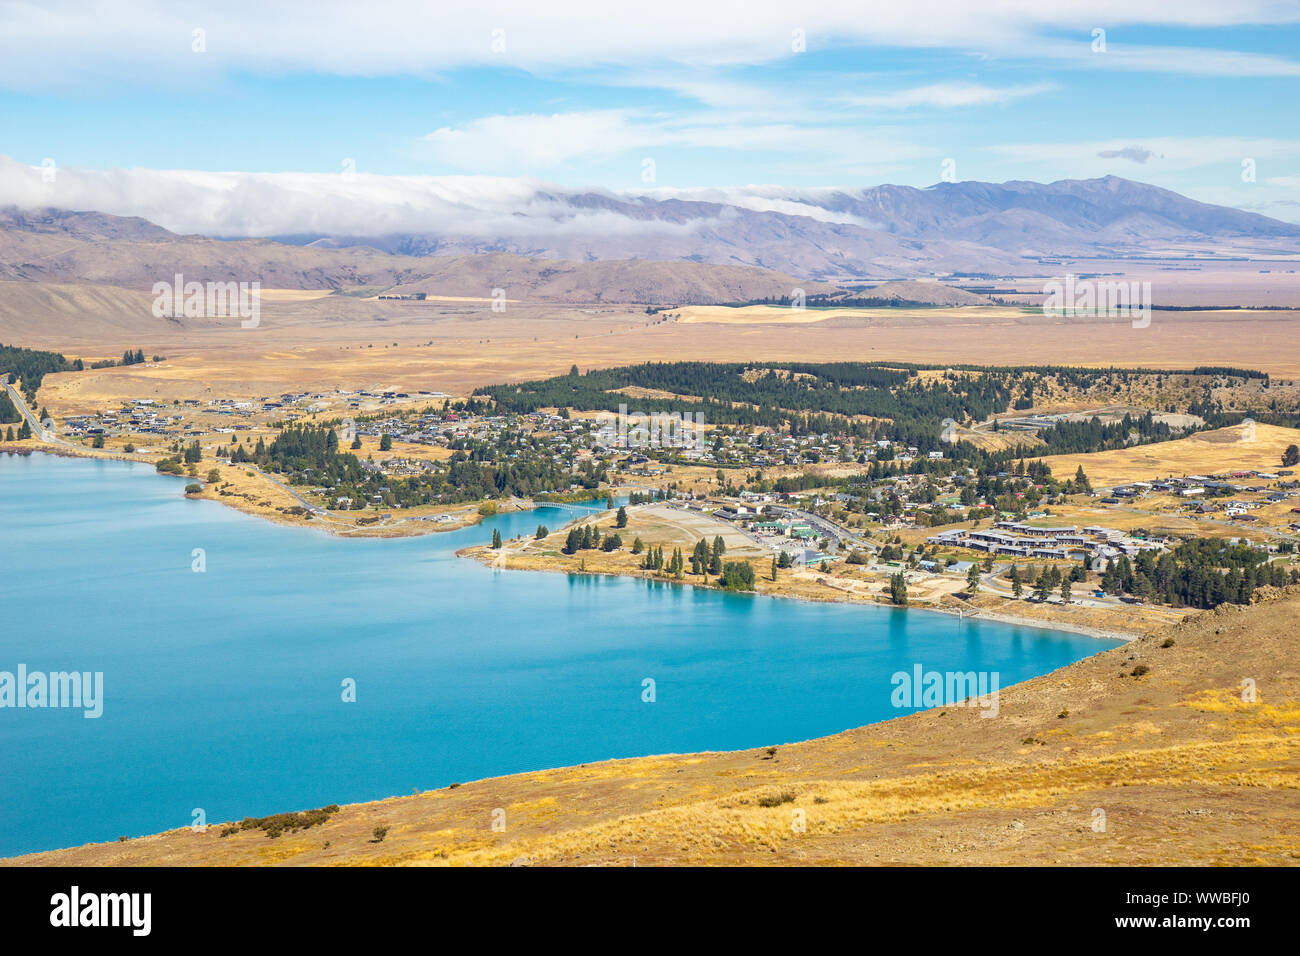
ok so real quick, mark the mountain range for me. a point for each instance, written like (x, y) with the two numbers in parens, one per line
(694, 247)
(883, 231)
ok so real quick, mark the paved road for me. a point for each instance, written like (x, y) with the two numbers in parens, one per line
(39, 433)
(834, 530)
(21, 404)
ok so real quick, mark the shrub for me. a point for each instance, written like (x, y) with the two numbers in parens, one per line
(1140, 670)
(738, 576)
(280, 823)
(776, 799)
(380, 833)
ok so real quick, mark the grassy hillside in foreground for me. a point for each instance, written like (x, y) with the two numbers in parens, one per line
(1182, 768)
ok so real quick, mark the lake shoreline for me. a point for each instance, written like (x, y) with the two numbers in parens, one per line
(471, 518)
(315, 611)
(876, 780)
(482, 555)
(466, 514)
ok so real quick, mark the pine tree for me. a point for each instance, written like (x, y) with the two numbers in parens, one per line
(700, 557)
(496, 537)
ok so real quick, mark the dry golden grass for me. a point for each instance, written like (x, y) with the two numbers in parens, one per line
(455, 346)
(1205, 453)
(294, 295)
(784, 315)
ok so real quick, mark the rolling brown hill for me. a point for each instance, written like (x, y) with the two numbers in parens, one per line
(1150, 753)
(56, 247)
(647, 281)
(927, 293)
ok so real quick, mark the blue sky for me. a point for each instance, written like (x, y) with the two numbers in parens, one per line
(716, 95)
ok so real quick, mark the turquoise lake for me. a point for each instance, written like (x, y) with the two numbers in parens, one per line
(223, 689)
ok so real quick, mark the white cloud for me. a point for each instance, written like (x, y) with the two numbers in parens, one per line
(788, 200)
(945, 96)
(67, 42)
(1168, 153)
(1191, 61)
(514, 142)
(238, 204)
(534, 142)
